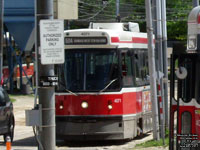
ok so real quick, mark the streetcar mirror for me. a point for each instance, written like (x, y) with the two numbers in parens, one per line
(181, 73)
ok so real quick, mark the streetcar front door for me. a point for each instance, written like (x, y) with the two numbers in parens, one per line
(184, 101)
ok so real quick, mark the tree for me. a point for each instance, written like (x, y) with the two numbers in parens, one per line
(134, 11)
(178, 12)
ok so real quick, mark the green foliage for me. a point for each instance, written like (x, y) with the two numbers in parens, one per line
(153, 143)
(177, 30)
(11, 98)
(177, 14)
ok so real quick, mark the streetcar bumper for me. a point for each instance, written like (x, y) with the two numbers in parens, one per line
(95, 128)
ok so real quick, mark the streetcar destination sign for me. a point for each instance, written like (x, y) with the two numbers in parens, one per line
(52, 41)
(85, 40)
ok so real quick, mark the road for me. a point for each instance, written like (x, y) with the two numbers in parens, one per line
(24, 137)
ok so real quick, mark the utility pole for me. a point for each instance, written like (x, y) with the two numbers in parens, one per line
(46, 94)
(160, 69)
(195, 3)
(117, 10)
(117, 7)
(165, 61)
(152, 70)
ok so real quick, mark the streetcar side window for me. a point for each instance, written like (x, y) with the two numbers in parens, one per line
(188, 84)
(186, 122)
(197, 80)
(141, 67)
(127, 71)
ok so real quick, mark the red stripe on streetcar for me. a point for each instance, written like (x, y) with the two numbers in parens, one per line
(114, 39)
(139, 40)
(134, 40)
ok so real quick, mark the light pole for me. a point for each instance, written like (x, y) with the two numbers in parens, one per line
(46, 94)
(152, 70)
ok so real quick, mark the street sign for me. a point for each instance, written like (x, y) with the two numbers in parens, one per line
(47, 81)
(52, 41)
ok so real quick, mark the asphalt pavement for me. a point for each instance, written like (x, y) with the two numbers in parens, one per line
(24, 138)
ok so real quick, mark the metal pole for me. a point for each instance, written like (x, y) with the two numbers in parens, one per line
(46, 94)
(20, 70)
(117, 8)
(1, 38)
(160, 71)
(36, 55)
(154, 16)
(10, 63)
(195, 3)
(152, 70)
(165, 60)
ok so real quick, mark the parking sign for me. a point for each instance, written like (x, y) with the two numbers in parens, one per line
(52, 41)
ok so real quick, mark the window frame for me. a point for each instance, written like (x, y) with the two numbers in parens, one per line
(57, 70)
(141, 62)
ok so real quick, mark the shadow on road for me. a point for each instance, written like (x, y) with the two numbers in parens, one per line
(61, 143)
(89, 143)
(30, 141)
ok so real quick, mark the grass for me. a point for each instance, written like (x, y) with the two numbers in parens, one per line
(12, 99)
(154, 143)
(12, 96)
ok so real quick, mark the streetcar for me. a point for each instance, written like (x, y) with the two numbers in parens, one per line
(28, 73)
(185, 90)
(103, 91)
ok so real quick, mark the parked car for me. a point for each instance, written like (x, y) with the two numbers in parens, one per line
(7, 120)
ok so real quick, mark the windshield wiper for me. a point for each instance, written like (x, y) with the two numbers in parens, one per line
(67, 89)
(112, 81)
(71, 92)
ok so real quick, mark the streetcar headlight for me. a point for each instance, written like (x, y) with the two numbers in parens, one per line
(110, 107)
(61, 107)
(84, 105)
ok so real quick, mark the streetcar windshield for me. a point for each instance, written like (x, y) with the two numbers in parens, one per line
(89, 70)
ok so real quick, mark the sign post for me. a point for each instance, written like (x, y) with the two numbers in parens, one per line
(52, 52)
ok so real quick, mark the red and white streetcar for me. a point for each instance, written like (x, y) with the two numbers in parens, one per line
(185, 90)
(104, 91)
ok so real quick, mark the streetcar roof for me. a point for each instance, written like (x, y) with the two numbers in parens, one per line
(115, 38)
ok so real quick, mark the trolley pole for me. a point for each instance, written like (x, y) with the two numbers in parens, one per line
(195, 3)
(152, 70)
(46, 94)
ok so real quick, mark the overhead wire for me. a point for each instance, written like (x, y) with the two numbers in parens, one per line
(138, 10)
